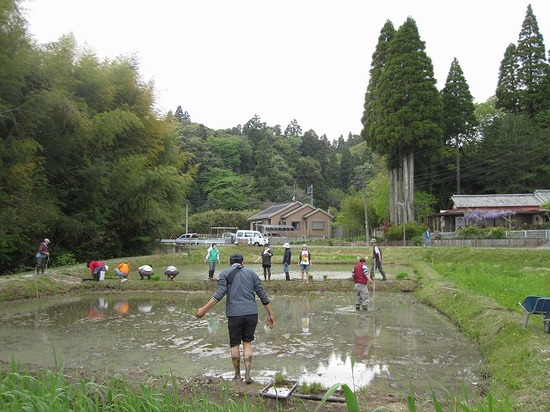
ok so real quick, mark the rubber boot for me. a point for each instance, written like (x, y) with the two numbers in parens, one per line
(247, 368)
(237, 368)
(287, 275)
(210, 274)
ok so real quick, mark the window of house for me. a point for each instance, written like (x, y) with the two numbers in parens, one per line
(296, 225)
(318, 225)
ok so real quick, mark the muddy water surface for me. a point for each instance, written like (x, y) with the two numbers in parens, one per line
(318, 338)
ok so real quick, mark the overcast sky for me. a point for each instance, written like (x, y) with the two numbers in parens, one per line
(224, 61)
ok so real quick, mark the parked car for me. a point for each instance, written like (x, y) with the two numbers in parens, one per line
(252, 237)
(187, 238)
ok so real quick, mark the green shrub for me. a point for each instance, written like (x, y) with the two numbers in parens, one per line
(496, 232)
(412, 230)
(475, 232)
(65, 259)
(469, 232)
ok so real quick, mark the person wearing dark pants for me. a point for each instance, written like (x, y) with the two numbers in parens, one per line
(377, 259)
(145, 271)
(171, 272)
(213, 259)
(98, 269)
(265, 257)
(287, 258)
(42, 256)
(241, 286)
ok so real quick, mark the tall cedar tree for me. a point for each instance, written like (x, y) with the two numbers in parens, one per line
(407, 116)
(372, 124)
(533, 68)
(378, 63)
(458, 112)
(524, 76)
(507, 87)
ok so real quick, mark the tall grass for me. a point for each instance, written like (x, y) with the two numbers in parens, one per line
(450, 403)
(50, 391)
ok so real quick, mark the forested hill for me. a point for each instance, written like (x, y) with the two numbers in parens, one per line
(87, 161)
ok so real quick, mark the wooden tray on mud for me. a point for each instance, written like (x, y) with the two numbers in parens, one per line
(280, 390)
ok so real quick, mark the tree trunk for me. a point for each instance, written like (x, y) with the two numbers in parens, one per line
(405, 188)
(394, 195)
(409, 200)
(457, 167)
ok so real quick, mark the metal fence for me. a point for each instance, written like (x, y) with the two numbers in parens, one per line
(510, 234)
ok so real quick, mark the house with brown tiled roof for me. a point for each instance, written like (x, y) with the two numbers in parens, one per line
(509, 210)
(294, 219)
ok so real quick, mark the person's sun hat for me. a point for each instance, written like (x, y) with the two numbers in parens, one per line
(373, 240)
(304, 246)
(47, 240)
(286, 245)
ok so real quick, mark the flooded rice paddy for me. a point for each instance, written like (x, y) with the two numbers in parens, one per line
(318, 338)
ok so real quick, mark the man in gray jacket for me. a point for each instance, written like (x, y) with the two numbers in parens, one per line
(241, 286)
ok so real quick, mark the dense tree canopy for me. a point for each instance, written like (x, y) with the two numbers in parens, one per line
(86, 160)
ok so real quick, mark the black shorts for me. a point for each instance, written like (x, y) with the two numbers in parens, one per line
(241, 329)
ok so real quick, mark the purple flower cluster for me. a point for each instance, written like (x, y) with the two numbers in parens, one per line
(478, 216)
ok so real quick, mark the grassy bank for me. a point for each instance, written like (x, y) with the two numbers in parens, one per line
(478, 289)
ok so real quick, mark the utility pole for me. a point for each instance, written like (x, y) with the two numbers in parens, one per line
(310, 193)
(365, 203)
(186, 217)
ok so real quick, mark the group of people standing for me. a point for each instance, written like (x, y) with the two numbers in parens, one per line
(304, 260)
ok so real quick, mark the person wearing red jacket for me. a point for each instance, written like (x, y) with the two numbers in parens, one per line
(362, 279)
(98, 269)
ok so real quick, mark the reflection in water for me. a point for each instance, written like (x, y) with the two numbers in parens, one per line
(401, 342)
(213, 323)
(145, 307)
(97, 309)
(362, 341)
(122, 307)
(305, 316)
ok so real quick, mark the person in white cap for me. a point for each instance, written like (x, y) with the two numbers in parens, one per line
(377, 259)
(42, 256)
(287, 259)
(171, 272)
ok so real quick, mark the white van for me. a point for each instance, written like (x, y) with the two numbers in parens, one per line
(252, 237)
